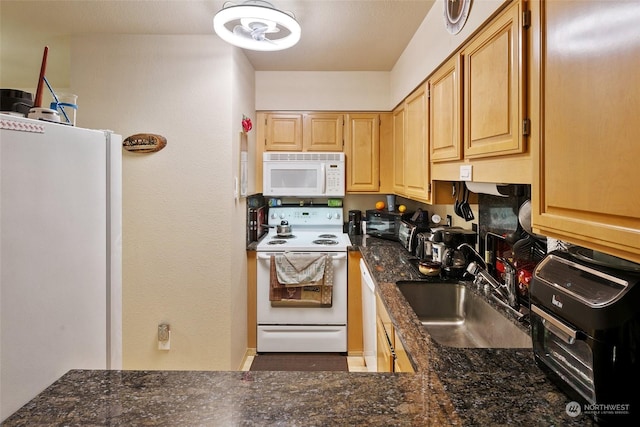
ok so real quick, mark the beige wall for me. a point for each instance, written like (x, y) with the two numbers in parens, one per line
(183, 232)
(322, 90)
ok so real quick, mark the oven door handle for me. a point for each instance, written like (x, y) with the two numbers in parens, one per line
(334, 256)
(558, 328)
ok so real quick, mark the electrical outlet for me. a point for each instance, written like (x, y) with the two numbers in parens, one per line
(164, 336)
(466, 172)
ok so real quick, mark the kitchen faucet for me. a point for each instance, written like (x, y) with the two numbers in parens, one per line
(507, 291)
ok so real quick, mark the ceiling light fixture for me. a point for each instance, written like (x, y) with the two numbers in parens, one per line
(250, 25)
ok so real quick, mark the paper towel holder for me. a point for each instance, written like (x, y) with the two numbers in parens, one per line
(489, 188)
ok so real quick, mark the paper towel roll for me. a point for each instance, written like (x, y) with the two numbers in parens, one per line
(486, 188)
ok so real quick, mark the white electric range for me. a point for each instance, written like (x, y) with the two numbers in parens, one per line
(316, 231)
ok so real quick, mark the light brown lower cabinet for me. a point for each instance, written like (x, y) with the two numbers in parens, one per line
(402, 362)
(354, 305)
(391, 355)
(384, 351)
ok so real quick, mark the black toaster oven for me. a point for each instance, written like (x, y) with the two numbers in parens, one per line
(585, 327)
(383, 224)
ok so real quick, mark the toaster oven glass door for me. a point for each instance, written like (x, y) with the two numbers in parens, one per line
(382, 226)
(561, 350)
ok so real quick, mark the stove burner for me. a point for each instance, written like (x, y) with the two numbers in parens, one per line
(290, 236)
(276, 242)
(327, 236)
(325, 242)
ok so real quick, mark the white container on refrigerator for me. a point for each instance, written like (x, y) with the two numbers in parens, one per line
(61, 255)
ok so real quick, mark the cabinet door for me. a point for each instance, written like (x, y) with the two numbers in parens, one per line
(587, 191)
(362, 150)
(398, 150)
(283, 132)
(354, 304)
(384, 353)
(494, 89)
(402, 362)
(323, 132)
(416, 156)
(386, 152)
(445, 91)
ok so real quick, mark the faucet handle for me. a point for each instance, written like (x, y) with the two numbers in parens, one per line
(473, 268)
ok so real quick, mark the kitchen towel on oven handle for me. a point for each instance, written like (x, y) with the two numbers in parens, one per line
(300, 269)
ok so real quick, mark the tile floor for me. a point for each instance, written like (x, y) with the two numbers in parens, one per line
(356, 364)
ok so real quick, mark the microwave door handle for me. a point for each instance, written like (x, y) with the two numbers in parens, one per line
(555, 326)
(324, 178)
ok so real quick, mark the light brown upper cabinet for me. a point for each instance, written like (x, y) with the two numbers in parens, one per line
(323, 132)
(585, 190)
(445, 115)
(494, 88)
(362, 152)
(283, 132)
(416, 151)
(398, 150)
(304, 131)
(410, 147)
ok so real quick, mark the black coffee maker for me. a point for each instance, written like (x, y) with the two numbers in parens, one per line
(454, 260)
(355, 218)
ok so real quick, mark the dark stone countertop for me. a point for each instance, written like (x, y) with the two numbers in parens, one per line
(451, 386)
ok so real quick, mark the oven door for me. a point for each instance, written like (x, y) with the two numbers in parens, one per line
(336, 314)
(302, 329)
(563, 353)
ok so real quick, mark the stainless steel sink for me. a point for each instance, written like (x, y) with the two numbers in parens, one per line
(456, 317)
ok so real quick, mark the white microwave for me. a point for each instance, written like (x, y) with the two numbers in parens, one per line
(303, 174)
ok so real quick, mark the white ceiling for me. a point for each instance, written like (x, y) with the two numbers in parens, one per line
(337, 35)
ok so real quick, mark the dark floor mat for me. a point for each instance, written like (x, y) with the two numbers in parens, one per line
(300, 362)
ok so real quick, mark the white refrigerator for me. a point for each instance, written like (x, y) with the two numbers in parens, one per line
(61, 255)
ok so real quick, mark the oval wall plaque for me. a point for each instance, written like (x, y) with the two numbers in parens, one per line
(144, 143)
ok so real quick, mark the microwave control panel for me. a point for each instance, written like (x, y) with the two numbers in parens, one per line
(335, 178)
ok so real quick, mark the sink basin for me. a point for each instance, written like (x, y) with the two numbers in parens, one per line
(456, 317)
